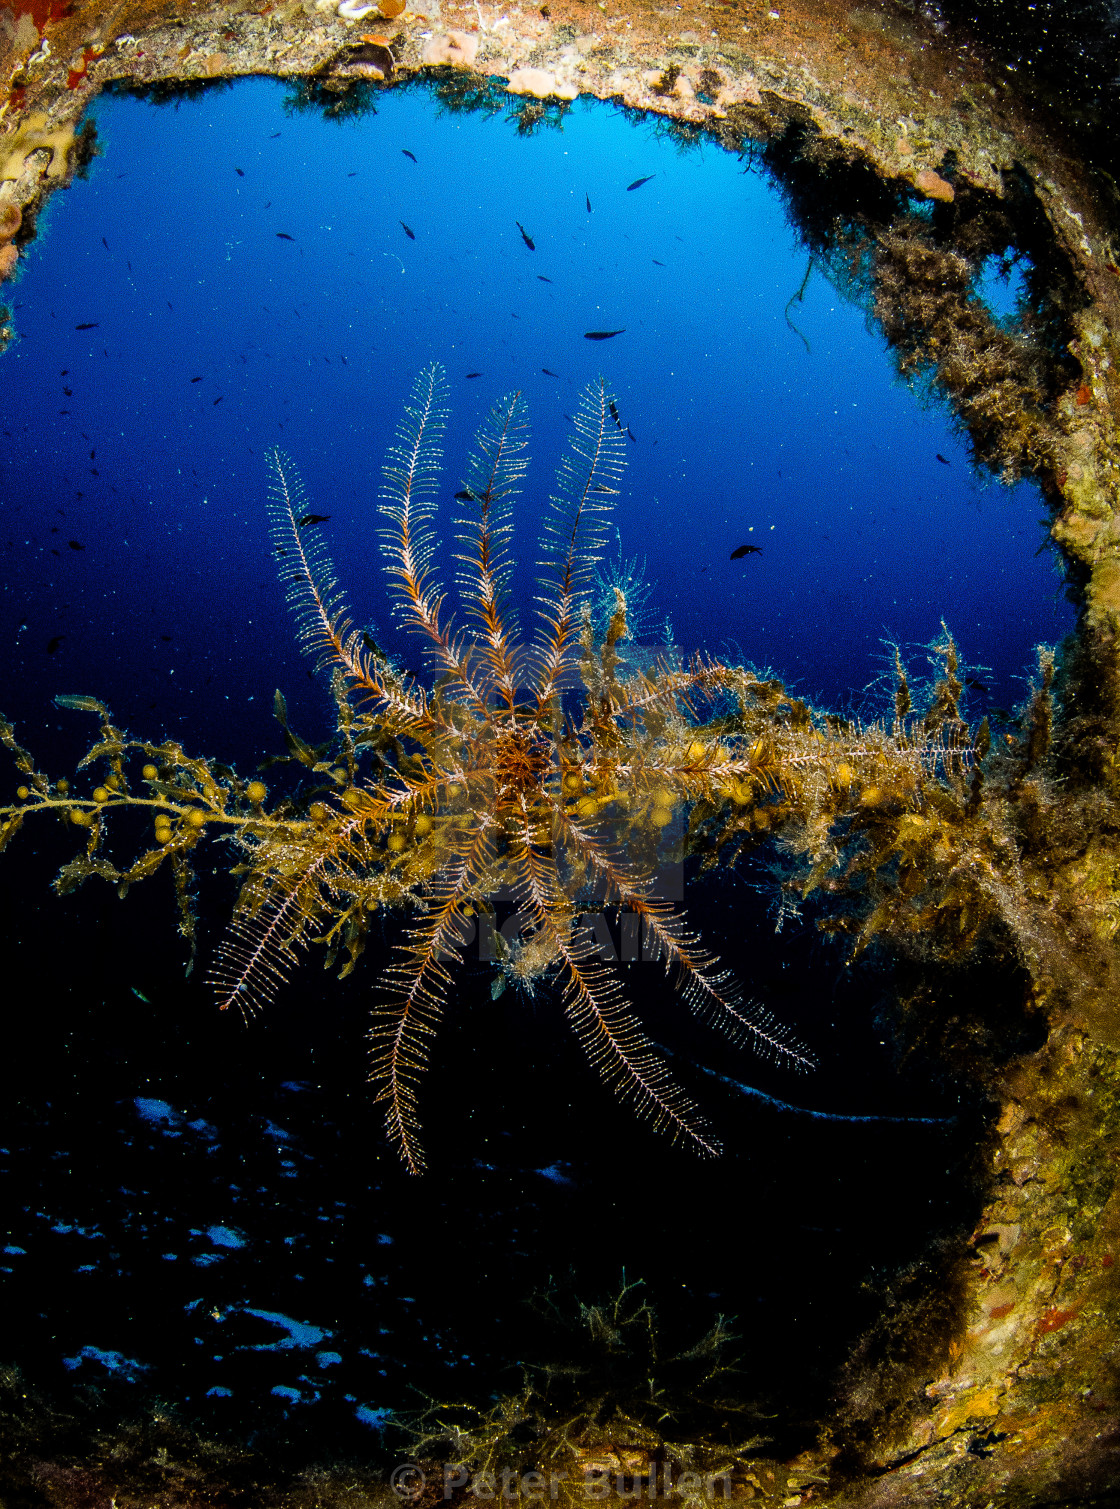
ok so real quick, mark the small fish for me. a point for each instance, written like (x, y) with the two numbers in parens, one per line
(602, 335)
(407, 153)
(656, 263)
(93, 454)
(166, 638)
(354, 174)
(64, 372)
(630, 187)
(614, 415)
(630, 432)
(409, 233)
(473, 374)
(74, 545)
(977, 686)
(525, 236)
(170, 306)
(312, 518)
(548, 372)
(104, 243)
(69, 392)
(601, 487)
(89, 325)
(196, 379)
(737, 555)
(542, 279)
(587, 197)
(139, 994)
(941, 458)
(240, 172)
(283, 236)
(218, 400)
(274, 135)
(53, 644)
(466, 496)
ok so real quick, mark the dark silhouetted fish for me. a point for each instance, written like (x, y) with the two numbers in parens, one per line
(630, 187)
(466, 496)
(587, 197)
(602, 335)
(601, 487)
(656, 263)
(549, 373)
(240, 172)
(352, 175)
(942, 459)
(312, 518)
(74, 545)
(53, 644)
(283, 236)
(737, 555)
(89, 325)
(69, 392)
(409, 233)
(218, 400)
(274, 135)
(104, 243)
(93, 454)
(630, 432)
(541, 277)
(977, 686)
(614, 415)
(525, 236)
(407, 153)
(196, 379)
(473, 374)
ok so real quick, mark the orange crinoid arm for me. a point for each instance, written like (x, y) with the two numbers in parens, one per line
(574, 531)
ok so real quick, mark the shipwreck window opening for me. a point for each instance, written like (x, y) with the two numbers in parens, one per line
(180, 624)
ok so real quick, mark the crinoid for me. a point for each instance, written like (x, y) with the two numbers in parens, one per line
(534, 770)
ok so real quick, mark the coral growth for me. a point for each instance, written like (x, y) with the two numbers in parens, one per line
(35, 135)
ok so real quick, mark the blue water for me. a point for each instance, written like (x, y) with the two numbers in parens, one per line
(202, 1206)
(757, 420)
